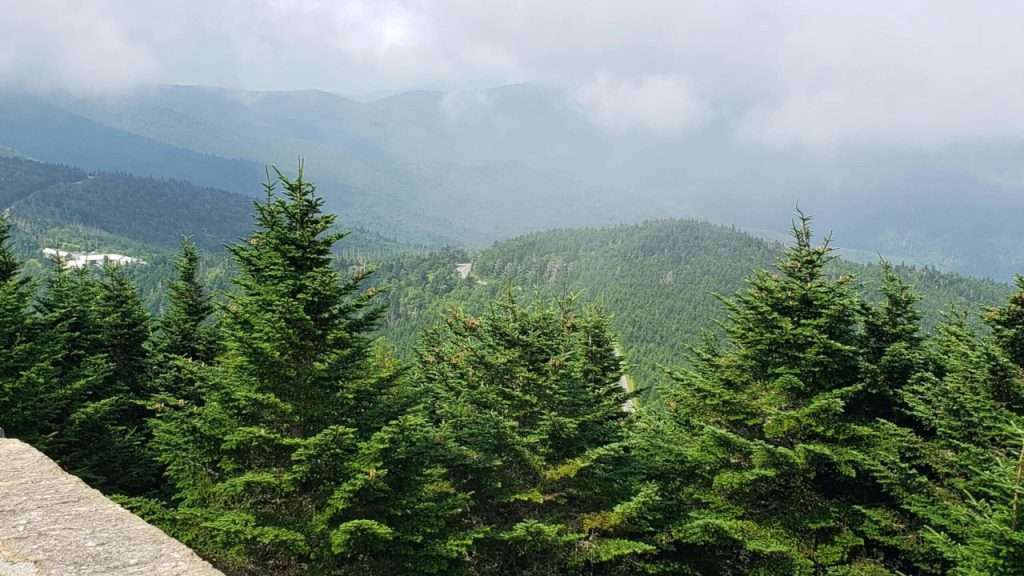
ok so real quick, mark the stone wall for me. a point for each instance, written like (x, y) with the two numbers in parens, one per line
(53, 524)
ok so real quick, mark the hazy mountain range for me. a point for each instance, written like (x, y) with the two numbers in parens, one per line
(468, 168)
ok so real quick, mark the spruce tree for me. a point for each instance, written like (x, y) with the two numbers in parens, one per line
(82, 398)
(301, 457)
(69, 353)
(893, 348)
(21, 408)
(187, 341)
(974, 453)
(1007, 323)
(185, 329)
(123, 333)
(765, 459)
(532, 401)
(103, 438)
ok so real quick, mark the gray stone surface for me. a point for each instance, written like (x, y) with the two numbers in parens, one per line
(53, 524)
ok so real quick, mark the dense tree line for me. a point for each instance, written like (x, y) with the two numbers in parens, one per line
(822, 432)
(151, 211)
(20, 177)
(659, 280)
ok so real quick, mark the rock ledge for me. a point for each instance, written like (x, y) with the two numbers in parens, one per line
(53, 524)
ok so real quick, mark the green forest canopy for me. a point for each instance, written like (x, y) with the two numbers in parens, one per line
(825, 432)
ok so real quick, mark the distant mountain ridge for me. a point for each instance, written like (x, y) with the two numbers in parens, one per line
(152, 211)
(41, 130)
(53, 204)
(468, 168)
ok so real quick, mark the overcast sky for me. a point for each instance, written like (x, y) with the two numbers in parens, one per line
(811, 73)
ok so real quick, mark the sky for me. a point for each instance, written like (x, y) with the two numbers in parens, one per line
(813, 73)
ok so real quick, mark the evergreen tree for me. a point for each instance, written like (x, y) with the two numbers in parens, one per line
(69, 353)
(532, 401)
(21, 408)
(892, 345)
(187, 341)
(974, 454)
(765, 458)
(103, 438)
(81, 400)
(185, 330)
(302, 457)
(1007, 325)
(123, 333)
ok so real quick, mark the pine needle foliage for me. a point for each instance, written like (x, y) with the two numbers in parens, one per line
(21, 403)
(185, 328)
(533, 401)
(302, 456)
(768, 457)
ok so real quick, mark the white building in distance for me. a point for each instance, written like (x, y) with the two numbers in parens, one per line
(84, 259)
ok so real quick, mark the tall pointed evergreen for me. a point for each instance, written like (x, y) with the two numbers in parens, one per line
(104, 439)
(764, 459)
(973, 501)
(185, 328)
(69, 355)
(90, 379)
(532, 400)
(187, 340)
(893, 348)
(1007, 324)
(301, 458)
(124, 327)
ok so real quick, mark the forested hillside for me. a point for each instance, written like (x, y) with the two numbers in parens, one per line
(153, 212)
(49, 133)
(825, 432)
(658, 280)
(55, 206)
(148, 211)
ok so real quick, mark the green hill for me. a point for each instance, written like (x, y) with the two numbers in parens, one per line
(55, 206)
(155, 213)
(658, 279)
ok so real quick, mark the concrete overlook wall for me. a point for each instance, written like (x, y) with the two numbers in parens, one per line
(53, 524)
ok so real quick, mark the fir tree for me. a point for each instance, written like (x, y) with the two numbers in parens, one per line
(301, 457)
(1007, 325)
(83, 395)
(764, 459)
(974, 454)
(123, 334)
(185, 330)
(21, 407)
(187, 341)
(532, 400)
(892, 345)
(103, 439)
(69, 353)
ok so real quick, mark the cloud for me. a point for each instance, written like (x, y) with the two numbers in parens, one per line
(663, 104)
(49, 45)
(807, 73)
(908, 73)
